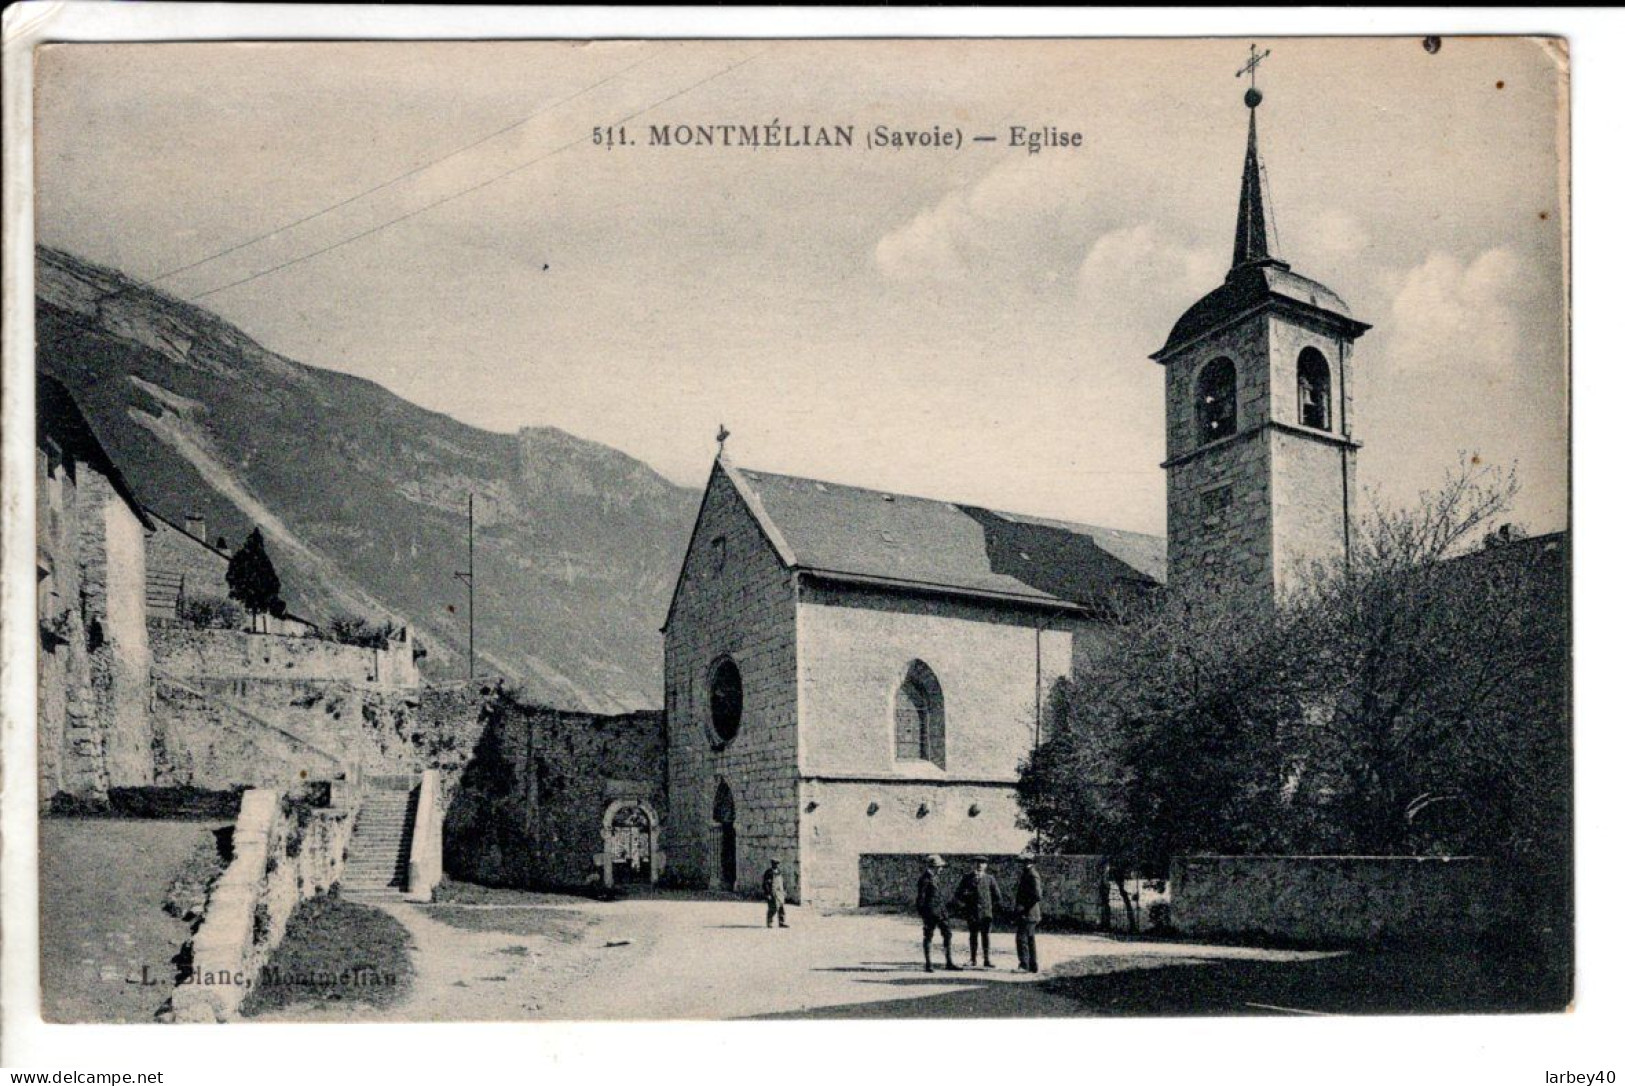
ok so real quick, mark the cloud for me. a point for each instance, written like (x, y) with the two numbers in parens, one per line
(1024, 215)
(1452, 316)
(1140, 278)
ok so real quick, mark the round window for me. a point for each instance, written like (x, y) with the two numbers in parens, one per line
(727, 700)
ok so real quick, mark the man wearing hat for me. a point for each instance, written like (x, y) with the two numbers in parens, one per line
(773, 890)
(1029, 911)
(933, 910)
(981, 900)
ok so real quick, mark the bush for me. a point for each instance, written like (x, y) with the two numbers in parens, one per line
(209, 612)
(355, 630)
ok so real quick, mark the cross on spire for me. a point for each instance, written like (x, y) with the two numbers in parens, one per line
(1250, 69)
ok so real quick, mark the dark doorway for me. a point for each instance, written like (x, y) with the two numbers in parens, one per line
(729, 857)
(722, 814)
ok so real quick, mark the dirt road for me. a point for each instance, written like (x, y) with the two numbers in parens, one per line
(661, 958)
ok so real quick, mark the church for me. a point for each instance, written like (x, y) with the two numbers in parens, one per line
(849, 671)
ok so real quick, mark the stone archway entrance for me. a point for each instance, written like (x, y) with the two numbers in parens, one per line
(724, 837)
(631, 832)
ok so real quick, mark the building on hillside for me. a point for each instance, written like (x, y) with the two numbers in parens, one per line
(850, 671)
(182, 566)
(90, 572)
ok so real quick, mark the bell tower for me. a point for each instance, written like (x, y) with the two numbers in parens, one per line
(1260, 412)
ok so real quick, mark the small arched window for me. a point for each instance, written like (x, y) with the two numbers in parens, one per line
(1314, 390)
(1216, 401)
(727, 700)
(918, 717)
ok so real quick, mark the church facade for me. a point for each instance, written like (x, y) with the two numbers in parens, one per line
(851, 672)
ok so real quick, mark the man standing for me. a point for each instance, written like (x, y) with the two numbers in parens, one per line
(1029, 911)
(981, 899)
(773, 890)
(933, 910)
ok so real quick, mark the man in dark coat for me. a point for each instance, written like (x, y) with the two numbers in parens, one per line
(980, 898)
(1029, 911)
(773, 891)
(933, 909)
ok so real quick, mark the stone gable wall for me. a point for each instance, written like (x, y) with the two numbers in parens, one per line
(745, 610)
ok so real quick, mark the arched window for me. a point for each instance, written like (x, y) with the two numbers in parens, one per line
(727, 700)
(1314, 390)
(1216, 401)
(917, 714)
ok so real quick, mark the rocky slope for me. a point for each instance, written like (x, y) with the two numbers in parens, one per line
(363, 496)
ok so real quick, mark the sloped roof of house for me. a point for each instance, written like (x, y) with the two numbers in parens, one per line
(896, 540)
(57, 416)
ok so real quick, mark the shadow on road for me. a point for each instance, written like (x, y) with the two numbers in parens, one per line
(1361, 982)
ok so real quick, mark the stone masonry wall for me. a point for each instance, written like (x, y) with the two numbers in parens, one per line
(185, 651)
(126, 663)
(270, 711)
(527, 809)
(1072, 884)
(1337, 899)
(1219, 501)
(282, 854)
(742, 606)
(1308, 498)
(94, 731)
(1252, 508)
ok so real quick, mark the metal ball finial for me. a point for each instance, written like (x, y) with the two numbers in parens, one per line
(1253, 97)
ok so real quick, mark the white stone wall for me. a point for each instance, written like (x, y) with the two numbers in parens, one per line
(994, 665)
(129, 745)
(838, 827)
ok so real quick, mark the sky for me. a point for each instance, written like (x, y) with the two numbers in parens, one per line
(970, 324)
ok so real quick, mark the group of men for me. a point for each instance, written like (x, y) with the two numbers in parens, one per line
(979, 900)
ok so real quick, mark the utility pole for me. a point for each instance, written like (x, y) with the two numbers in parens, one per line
(467, 577)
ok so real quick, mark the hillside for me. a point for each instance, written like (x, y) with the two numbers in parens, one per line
(363, 496)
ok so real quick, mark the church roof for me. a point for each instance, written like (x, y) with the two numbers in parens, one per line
(896, 540)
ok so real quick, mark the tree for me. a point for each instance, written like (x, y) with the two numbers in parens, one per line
(1412, 698)
(252, 579)
(1439, 669)
(1172, 739)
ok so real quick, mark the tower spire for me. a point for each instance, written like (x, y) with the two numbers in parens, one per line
(1252, 240)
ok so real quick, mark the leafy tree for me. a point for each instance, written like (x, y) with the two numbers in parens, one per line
(1411, 699)
(252, 579)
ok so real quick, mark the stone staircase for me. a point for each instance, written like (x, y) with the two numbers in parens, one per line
(381, 843)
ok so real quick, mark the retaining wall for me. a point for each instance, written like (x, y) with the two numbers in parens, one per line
(1338, 899)
(282, 855)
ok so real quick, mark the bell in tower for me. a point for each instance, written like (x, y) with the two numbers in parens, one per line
(1260, 411)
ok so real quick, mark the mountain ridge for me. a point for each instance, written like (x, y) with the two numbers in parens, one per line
(363, 495)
